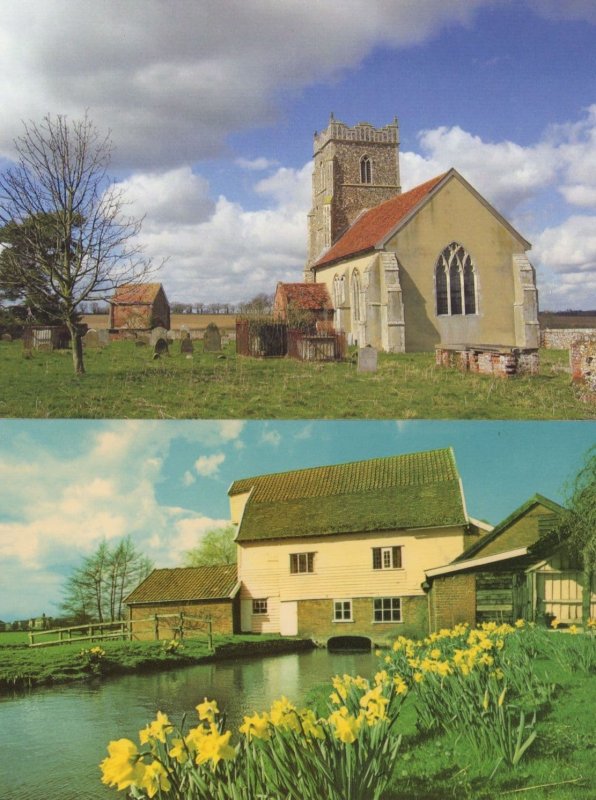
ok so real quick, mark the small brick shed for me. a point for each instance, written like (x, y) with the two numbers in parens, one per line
(312, 298)
(139, 306)
(199, 593)
(518, 571)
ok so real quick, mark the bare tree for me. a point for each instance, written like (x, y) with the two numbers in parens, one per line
(97, 588)
(58, 193)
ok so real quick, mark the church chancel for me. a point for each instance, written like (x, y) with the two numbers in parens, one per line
(436, 266)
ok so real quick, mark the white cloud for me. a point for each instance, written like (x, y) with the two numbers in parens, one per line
(255, 164)
(271, 437)
(231, 429)
(176, 197)
(188, 478)
(208, 466)
(172, 86)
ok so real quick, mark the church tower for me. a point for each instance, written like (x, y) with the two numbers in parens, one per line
(354, 169)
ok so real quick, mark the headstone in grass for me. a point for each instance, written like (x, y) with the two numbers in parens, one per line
(186, 346)
(367, 359)
(212, 339)
(103, 335)
(157, 334)
(6, 337)
(160, 348)
(91, 338)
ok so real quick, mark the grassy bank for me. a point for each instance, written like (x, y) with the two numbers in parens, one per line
(124, 381)
(560, 764)
(25, 667)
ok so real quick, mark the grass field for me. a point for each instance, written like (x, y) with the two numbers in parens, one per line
(124, 381)
(560, 765)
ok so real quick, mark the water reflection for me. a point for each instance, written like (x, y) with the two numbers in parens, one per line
(51, 741)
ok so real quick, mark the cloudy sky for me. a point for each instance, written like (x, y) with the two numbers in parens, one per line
(212, 105)
(66, 485)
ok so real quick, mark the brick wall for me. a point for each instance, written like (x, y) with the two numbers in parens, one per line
(453, 600)
(224, 616)
(315, 620)
(502, 363)
(561, 338)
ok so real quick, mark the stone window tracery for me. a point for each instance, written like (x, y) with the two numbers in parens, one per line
(365, 170)
(356, 290)
(455, 282)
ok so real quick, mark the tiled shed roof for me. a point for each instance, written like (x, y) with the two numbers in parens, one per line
(373, 225)
(408, 491)
(187, 583)
(311, 296)
(136, 293)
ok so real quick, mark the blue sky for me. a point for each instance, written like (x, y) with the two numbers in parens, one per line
(68, 484)
(212, 107)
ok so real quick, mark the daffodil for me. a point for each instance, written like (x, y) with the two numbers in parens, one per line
(154, 779)
(156, 730)
(214, 747)
(346, 726)
(207, 710)
(257, 726)
(122, 768)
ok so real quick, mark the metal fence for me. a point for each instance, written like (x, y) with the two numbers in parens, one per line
(264, 339)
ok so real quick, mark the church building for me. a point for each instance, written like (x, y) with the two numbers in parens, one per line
(407, 272)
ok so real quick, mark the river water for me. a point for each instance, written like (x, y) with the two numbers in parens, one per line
(52, 740)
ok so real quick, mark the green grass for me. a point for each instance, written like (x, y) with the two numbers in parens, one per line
(123, 381)
(439, 767)
(25, 667)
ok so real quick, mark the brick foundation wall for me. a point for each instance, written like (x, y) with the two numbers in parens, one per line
(224, 616)
(582, 360)
(453, 600)
(315, 620)
(502, 363)
(561, 338)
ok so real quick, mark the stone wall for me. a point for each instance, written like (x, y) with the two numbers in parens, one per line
(561, 338)
(452, 600)
(504, 363)
(315, 620)
(582, 359)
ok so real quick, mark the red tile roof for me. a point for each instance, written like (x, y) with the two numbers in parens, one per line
(373, 225)
(311, 296)
(187, 583)
(136, 293)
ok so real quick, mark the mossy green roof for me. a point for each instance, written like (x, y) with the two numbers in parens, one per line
(417, 490)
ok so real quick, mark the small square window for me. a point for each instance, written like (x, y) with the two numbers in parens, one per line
(387, 557)
(259, 606)
(342, 611)
(387, 609)
(301, 562)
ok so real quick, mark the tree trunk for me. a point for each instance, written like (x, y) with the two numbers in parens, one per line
(77, 347)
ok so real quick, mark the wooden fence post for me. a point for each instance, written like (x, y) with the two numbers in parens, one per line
(156, 628)
(209, 633)
(181, 627)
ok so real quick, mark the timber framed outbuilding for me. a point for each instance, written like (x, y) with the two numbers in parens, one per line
(518, 571)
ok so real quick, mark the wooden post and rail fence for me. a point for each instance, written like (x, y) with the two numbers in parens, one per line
(124, 629)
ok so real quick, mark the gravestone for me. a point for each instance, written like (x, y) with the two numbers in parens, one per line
(160, 348)
(91, 338)
(212, 339)
(103, 335)
(157, 334)
(186, 346)
(367, 359)
(184, 331)
(6, 337)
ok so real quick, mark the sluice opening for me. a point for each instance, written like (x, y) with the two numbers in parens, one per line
(352, 644)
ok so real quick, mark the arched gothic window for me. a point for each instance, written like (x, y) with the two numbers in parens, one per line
(336, 292)
(455, 282)
(356, 296)
(365, 170)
